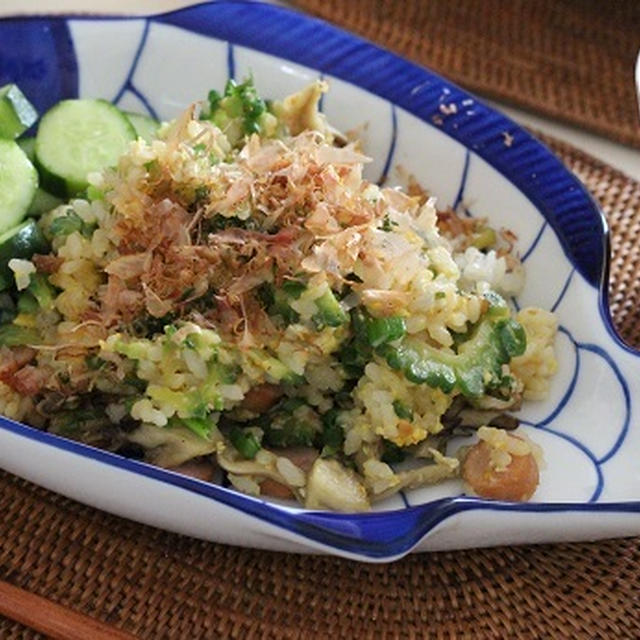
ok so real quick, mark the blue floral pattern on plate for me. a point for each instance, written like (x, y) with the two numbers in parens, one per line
(473, 159)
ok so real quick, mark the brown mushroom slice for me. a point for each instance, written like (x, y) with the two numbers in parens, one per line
(441, 469)
(171, 447)
(332, 486)
(300, 111)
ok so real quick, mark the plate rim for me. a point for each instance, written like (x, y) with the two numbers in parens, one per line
(414, 522)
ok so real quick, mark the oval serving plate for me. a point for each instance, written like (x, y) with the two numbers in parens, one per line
(469, 156)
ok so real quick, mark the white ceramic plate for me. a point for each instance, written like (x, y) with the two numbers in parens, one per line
(465, 153)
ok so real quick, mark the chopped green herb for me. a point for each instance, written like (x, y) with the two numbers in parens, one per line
(402, 410)
(388, 224)
(245, 442)
(66, 224)
(383, 330)
(200, 426)
(332, 433)
(93, 193)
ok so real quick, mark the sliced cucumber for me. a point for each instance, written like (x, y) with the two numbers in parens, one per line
(42, 200)
(42, 203)
(20, 242)
(145, 126)
(28, 145)
(77, 137)
(18, 184)
(16, 112)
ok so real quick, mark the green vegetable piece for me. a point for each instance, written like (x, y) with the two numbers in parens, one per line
(27, 303)
(200, 426)
(145, 126)
(392, 453)
(13, 336)
(93, 193)
(484, 239)
(20, 242)
(245, 442)
(477, 365)
(383, 330)
(65, 225)
(28, 145)
(357, 352)
(293, 432)
(76, 138)
(332, 433)
(17, 114)
(402, 410)
(291, 424)
(512, 337)
(497, 304)
(42, 291)
(238, 112)
(18, 184)
(293, 288)
(330, 313)
(282, 307)
(42, 203)
(214, 100)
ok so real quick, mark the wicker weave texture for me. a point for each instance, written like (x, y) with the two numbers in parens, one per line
(158, 585)
(572, 60)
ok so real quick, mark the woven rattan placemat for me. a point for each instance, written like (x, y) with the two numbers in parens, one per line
(572, 60)
(159, 585)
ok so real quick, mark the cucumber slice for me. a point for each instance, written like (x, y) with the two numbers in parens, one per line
(18, 184)
(20, 242)
(42, 200)
(145, 126)
(28, 145)
(77, 137)
(16, 112)
(42, 203)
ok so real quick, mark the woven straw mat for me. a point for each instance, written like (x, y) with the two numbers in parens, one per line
(159, 585)
(572, 60)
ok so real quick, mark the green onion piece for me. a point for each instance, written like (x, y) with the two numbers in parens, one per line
(245, 442)
(383, 330)
(93, 193)
(27, 303)
(484, 239)
(332, 433)
(200, 426)
(402, 410)
(512, 336)
(293, 288)
(66, 225)
(42, 291)
(330, 312)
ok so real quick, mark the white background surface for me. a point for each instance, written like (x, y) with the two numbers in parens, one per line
(619, 156)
